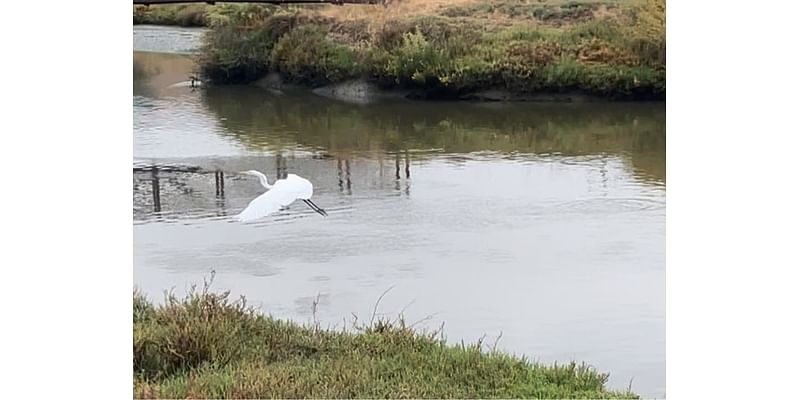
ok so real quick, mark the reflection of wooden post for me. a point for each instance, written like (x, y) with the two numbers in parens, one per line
(156, 191)
(278, 165)
(397, 165)
(604, 175)
(408, 170)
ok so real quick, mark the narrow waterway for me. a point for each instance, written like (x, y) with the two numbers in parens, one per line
(545, 222)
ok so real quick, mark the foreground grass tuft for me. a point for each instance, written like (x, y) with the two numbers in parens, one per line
(207, 346)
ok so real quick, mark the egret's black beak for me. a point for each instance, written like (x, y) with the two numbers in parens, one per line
(315, 208)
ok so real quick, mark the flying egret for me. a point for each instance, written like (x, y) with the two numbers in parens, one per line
(281, 194)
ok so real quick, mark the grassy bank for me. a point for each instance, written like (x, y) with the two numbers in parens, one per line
(206, 346)
(189, 15)
(448, 49)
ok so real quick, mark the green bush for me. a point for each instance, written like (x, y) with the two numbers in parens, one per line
(184, 334)
(306, 55)
(415, 60)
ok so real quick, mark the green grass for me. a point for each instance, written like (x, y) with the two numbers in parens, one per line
(206, 346)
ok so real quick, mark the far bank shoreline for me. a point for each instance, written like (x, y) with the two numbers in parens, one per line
(538, 52)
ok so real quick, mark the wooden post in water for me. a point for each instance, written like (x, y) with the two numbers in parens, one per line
(397, 171)
(216, 183)
(408, 174)
(339, 172)
(219, 180)
(280, 166)
(156, 190)
(347, 176)
(408, 170)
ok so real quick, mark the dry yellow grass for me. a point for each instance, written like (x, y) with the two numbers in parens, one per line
(395, 9)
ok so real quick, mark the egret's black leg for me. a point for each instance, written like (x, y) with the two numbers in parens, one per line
(315, 208)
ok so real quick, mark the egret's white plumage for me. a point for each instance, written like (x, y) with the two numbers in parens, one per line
(281, 194)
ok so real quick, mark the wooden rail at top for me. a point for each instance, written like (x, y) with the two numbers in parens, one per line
(277, 2)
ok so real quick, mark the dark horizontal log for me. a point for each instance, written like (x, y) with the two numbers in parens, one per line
(277, 2)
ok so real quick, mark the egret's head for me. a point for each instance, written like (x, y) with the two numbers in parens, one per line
(250, 172)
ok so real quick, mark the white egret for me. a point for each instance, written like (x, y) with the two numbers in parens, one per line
(281, 194)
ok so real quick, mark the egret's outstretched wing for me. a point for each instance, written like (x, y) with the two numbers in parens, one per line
(299, 186)
(283, 193)
(264, 205)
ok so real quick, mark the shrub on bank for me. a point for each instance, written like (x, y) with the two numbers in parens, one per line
(181, 15)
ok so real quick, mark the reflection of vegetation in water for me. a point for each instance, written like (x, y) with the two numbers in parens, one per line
(143, 71)
(262, 120)
(648, 153)
(154, 72)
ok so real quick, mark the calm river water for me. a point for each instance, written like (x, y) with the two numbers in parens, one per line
(543, 222)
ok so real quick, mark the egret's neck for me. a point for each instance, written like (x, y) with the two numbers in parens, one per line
(263, 179)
